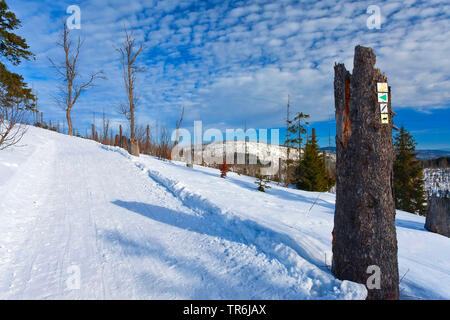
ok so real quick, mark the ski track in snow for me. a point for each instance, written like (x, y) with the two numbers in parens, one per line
(141, 228)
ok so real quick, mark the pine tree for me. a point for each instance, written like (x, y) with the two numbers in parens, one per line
(16, 99)
(294, 131)
(408, 175)
(14, 49)
(288, 144)
(262, 182)
(297, 129)
(311, 173)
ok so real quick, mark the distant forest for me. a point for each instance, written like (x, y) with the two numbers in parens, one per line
(441, 162)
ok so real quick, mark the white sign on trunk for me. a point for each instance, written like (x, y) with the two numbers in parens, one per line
(382, 97)
(382, 87)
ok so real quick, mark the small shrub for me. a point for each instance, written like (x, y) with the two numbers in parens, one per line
(224, 168)
(262, 182)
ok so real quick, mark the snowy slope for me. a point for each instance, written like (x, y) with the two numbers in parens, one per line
(141, 228)
(437, 180)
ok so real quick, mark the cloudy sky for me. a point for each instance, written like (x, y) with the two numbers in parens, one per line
(235, 62)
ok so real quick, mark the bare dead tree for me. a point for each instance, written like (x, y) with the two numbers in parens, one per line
(139, 133)
(129, 52)
(105, 122)
(179, 122)
(364, 234)
(12, 121)
(164, 146)
(68, 70)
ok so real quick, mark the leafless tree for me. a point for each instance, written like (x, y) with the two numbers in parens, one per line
(140, 133)
(179, 122)
(105, 122)
(164, 146)
(68, 70)
(12, 121)
(129, 52)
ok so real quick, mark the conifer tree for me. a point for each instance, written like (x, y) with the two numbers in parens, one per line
(14, 49)
(288, 143)
(311, 173)
(297, 129)
(262, 182)
(408, 175)
(15, 96)
(294, 131)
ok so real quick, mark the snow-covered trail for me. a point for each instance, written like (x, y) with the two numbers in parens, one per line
(73, 203)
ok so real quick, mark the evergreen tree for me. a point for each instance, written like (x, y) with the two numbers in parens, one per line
(294, 131)
(262, 182)
(297, 129)
(14, 49)
(408, 175)
(16, 99)
(311, 173)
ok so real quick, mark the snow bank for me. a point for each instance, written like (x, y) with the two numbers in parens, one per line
(142, 228)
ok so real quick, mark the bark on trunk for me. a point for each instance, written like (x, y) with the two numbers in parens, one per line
(364, 223)
(133, 147)
(69, 121)
(438, 215)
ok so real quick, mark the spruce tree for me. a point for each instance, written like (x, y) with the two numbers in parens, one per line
(408, 175)
(16, 99)
(14, 49)
(262, 182)
(311, 173)
(297, 129)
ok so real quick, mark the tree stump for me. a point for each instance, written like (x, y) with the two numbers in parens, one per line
(364, 223)
(438, 215)
(133, 147)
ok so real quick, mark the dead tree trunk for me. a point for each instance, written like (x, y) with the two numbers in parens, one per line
(364, 223)
(121, 136)
(147, 140)
(438, 215)
(93, 131)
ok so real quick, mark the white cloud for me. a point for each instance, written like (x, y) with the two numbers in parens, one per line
(230, 64)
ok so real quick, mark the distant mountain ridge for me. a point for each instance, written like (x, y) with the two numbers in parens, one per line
(422, 154)
(432, 154)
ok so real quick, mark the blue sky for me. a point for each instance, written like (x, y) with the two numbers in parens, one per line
(230, 62)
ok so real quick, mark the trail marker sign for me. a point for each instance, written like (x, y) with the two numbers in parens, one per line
(384, 118)
(384, 108)
(382, 97)
(382, 87)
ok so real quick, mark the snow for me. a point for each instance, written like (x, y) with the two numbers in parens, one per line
(142, 228)
(437, 180)
(266, 153)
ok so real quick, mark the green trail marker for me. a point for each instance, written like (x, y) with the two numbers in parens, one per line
(382, 97)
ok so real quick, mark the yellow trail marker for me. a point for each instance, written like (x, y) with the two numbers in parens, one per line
(382, 87)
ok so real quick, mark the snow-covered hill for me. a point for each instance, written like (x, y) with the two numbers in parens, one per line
(141, 228)
(437, 180)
